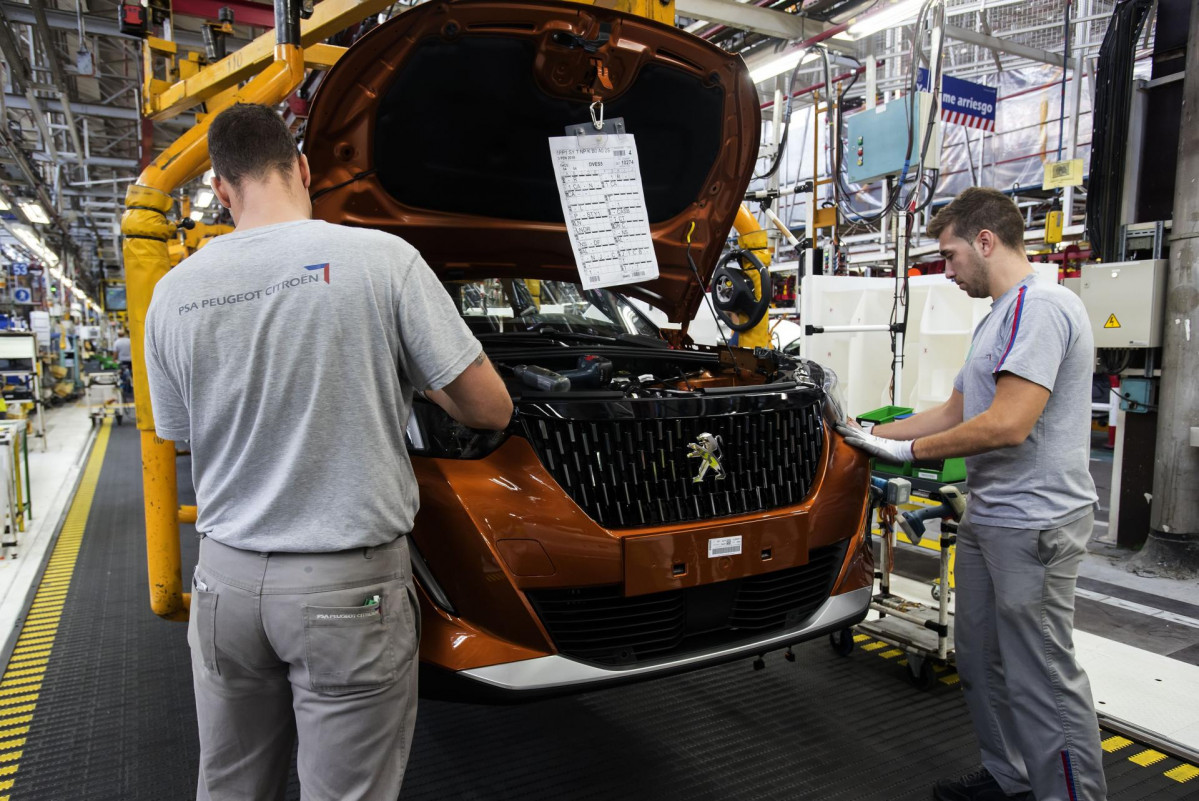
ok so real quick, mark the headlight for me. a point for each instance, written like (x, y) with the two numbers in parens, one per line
(834, 400)
(432, 432)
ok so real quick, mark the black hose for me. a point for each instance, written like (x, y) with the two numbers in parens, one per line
(1109, 134)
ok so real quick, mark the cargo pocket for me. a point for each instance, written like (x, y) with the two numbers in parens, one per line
(348, 648)
(204, 613)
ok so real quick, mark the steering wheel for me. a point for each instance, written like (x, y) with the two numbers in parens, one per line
(733, 291)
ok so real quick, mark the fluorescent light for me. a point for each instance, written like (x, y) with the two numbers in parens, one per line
(784, 63)
(889, 16)
(31, 240)
(34, 212)
(197, 215)
(204, 198)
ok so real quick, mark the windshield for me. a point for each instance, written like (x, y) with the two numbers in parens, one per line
(503, 305)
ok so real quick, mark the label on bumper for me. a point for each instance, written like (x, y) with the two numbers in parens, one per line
(724, 546)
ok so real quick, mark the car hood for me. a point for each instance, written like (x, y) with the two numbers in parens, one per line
(435, 127)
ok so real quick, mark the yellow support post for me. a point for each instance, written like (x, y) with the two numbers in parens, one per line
(752, 237)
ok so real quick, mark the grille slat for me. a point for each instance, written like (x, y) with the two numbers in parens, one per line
(770, 459)
(599, 624)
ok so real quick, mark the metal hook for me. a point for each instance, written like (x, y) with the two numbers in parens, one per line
(597, 122)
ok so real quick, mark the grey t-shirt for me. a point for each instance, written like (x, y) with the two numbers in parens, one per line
(1040, 332)
(123, 348)
(288, 355)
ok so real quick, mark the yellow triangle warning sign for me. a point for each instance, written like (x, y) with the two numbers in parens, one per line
(1112, 322)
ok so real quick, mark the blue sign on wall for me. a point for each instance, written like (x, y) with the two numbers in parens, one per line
(963, 102)
(22, 295)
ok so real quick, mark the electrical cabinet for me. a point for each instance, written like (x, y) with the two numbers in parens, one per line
(1125, 302)
(877, 143)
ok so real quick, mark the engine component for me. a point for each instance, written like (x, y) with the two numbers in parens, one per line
(733, 292)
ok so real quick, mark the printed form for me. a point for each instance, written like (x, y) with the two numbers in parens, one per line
(599, 181)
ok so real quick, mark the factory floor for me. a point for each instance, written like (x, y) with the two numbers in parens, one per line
(95, 701)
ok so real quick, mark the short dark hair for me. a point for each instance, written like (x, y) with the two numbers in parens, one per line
(250, 141)
(977, 208)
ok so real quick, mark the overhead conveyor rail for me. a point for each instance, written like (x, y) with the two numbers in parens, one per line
(96, 703)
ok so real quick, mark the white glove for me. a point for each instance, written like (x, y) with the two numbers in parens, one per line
(893, 451)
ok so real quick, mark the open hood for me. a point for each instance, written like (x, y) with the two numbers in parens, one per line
(435, 127)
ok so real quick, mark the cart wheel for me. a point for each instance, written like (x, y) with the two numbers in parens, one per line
(936, 592)
(93, 421)
(119, 418)
(841, 641)
(920, 671)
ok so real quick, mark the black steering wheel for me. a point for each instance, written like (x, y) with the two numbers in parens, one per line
(733, 291)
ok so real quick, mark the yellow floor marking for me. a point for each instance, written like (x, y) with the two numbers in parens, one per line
(861, 637)
(873, 646)
(894, 652)
(903, 662)
(19, 710)
(32, 661)
(15, 720)
(1147, 757)
(1183, 773)
(950, 679)
(1115, 743)
(15, 731)
(19, 687)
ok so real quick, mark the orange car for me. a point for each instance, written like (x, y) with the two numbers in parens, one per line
(654, 506)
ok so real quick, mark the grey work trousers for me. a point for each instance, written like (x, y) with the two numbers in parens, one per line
(283, 646)
(1029, 699)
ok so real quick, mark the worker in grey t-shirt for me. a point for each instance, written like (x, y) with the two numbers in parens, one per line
(1019, 413)
(287, 353)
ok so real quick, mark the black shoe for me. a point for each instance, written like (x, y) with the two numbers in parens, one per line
(977, 785)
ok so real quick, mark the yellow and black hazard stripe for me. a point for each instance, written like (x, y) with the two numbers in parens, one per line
(22, 680)
(1172, 768)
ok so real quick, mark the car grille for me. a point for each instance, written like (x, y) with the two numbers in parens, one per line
(637, 472)
(601, 625)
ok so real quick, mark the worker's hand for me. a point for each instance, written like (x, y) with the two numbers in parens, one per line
(893, 451)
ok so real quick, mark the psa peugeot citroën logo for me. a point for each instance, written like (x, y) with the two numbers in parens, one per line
(706, 448)
(324, 267)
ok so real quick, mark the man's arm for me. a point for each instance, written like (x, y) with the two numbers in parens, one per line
(923, 424)
(476, 398)
(1014, 411)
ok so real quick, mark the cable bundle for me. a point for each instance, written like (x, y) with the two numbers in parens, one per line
(1109, 135)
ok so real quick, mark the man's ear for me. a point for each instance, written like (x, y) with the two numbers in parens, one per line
(305, 171)
(221, 190)
(986, 243)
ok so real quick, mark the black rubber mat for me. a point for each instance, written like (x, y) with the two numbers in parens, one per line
(115, 718)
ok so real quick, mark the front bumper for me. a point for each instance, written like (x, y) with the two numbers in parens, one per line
(549, 675)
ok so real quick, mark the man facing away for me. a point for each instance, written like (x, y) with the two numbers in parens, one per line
(1019, 414)
(287, 353)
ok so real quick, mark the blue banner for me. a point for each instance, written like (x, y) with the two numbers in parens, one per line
(963, 102)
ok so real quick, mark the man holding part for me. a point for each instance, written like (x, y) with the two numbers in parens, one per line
(287, 353)
(1018, 415)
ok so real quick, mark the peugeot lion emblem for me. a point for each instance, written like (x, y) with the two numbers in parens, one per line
(706, 448)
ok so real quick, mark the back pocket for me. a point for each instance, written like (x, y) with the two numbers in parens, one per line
(348, 648)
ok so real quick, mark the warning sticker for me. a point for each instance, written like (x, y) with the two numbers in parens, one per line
(724, 546)
(1112, 322)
